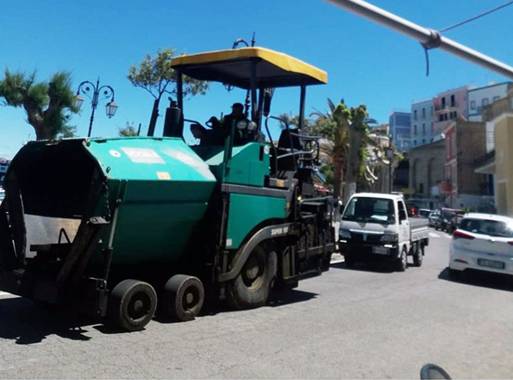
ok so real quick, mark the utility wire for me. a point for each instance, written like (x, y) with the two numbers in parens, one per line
(486, 13)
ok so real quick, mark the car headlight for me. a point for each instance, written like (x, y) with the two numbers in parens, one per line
(344, 234)
(390, 238)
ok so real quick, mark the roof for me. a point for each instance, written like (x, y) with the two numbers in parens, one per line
(273, 69)
(379, 195)
(499, 218)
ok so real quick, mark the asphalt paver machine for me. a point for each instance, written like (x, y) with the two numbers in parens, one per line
(144, 219)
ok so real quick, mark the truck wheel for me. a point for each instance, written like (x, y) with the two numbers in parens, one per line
(183, 297)
(402, 261)
(349, 260)
(132, 305)
(251, 287)
(418, 257)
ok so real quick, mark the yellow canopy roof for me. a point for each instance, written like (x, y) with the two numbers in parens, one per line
(233, 67)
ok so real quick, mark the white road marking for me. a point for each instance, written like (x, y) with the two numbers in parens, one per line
(432, 234)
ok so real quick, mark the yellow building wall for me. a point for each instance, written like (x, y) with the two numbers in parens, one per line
(504, 165)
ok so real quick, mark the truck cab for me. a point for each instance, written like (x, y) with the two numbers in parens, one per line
(376, 227)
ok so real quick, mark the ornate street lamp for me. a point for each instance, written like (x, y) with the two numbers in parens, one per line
(94, 92)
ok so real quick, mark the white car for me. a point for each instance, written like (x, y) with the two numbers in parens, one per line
(483, 242)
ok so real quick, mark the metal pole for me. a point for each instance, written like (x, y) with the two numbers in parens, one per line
(302, 98)
(428, 37)
(94, 104)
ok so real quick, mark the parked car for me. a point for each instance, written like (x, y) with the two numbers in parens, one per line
(483, 242)
(2, 195)
(450, 218)
(434, 219)
(424, 212)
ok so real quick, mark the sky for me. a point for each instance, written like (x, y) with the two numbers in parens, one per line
(366, 63)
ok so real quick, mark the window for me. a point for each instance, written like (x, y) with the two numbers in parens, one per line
(423, 141)
(487, 227)
(431, 110)
(443, 102)
(473, 105)
(423, 129)
(414, 142)
(415, 115)
(485, 102)
(402, 212)
(423, 113)
(370, 210)
(495, 98)
(453, 100)
(414, 129)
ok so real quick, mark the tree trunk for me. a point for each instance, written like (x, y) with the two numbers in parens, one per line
(338, 175)
(43, 132)
(153, 118)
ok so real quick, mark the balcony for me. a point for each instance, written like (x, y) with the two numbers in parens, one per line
(446, 107)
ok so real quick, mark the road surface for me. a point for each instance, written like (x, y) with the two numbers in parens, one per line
(360, 323)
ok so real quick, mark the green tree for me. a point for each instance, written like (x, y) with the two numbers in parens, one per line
(48, 105)
(347, 138)
(155, 75)
(129, 130)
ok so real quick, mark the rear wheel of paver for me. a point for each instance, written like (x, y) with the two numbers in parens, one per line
(418, 256)
(183, 297)
(252, 286)
(402, 261)
(132, 305)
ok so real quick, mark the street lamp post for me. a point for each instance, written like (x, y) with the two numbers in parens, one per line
(94, 91)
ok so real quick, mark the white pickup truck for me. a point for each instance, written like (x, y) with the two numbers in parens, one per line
(376, 226)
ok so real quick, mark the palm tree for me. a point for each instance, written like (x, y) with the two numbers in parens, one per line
(346, 144)
(48, 105)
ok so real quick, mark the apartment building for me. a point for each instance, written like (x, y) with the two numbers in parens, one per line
(422, 122)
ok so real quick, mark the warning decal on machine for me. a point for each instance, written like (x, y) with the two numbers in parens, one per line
(143, 156)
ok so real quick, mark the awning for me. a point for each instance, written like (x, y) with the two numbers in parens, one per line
(233, 67)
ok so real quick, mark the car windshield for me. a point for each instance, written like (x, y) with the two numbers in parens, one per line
(370, 210)
(487, 227)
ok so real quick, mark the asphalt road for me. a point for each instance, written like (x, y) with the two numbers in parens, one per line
(361, 323)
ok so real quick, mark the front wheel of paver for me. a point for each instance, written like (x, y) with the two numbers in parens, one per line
(251, 287)
(132, 305)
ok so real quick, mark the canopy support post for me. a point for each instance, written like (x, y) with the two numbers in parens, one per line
(179, 97)
(253, 91)
(302, 99)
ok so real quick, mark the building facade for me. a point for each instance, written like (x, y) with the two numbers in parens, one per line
(422, 122)
(427, 173)
(449, 106)
(463, 187)
(500, 160)
(400, 130)
(481, 97)
(4, 164)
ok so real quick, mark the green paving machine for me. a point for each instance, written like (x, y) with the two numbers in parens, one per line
(140, 219)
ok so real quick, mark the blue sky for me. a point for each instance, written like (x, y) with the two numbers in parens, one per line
(366, 63)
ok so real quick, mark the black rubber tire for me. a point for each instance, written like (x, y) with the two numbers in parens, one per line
(252, 286)
(349, 260)
(418, 256)
(132, 305)
(454, 275)
(402, 262)
(183, 297)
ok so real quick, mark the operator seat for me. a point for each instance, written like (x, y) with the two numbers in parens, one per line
(287, 144)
